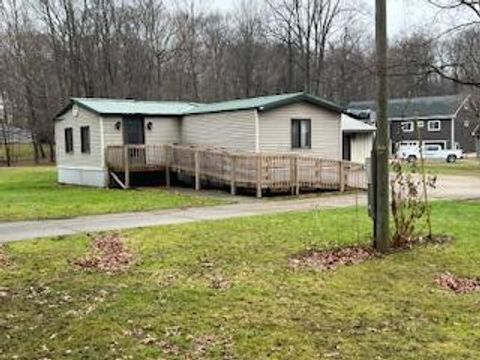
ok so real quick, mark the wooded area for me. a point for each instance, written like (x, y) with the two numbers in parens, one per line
(157, 49)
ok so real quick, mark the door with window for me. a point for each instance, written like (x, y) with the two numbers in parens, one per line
(133, 130)
(134, 134)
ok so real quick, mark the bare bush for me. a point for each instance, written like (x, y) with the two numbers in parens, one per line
(409, 201)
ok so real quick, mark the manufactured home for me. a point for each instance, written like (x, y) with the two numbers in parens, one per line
(88, 128)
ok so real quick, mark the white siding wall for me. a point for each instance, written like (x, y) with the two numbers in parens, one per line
(112, 136)
(165, 130)
(234, 129)
(94, 159)
(361, 147)
(275, 130)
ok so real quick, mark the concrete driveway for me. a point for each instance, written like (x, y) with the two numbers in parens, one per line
(451, 187)
(448, 187)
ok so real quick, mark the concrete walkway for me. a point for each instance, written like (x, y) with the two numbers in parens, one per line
(15, 231)
(448, 188)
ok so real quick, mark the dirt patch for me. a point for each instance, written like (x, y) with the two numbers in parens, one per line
(5, 260)
(219, 282)
(202, 345)
(457, 284)
(108, 254)
(331, 259)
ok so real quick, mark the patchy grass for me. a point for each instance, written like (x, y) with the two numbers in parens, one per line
(29, 193)
(225, 290)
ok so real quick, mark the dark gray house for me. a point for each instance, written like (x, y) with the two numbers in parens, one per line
(449, 121)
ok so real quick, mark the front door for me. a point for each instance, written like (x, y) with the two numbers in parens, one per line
(133, 130)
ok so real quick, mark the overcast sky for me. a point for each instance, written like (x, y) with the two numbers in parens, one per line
(404, 16)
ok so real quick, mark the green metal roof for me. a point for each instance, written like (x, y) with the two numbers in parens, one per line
(263, 103)
(179, 108)
(130, 107)
(416, 107)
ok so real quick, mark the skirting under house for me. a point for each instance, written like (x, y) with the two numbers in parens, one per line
(83, 176)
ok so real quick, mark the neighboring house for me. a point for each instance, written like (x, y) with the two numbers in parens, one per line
(357, 139)
(281, 123)
(448, 121)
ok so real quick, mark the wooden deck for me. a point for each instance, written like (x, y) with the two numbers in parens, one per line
(259, 171)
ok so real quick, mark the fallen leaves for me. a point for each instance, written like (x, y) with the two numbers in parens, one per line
(108, 254)
(457, 284)
(331, 259)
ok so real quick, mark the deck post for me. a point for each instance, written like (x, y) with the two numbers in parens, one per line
(167, 166)
(126, 160)
(341, 174)
(292, 174)
(259, 175)
(297, 176)
(233, 171)
(197, 170)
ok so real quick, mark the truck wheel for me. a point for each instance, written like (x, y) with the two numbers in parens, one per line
(451, 158)
(412, 159)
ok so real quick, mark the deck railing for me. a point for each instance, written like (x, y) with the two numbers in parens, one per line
(261, 171)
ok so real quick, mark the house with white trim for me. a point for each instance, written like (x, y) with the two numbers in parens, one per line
(448, 121)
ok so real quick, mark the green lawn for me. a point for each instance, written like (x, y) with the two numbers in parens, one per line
(165, 307)
(32, 193)
(461, 167)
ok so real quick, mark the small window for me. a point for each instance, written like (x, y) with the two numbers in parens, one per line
(301, 134)
(85, 138)
(434, 125)
(69, 140)
(421, 124)
(407, 127)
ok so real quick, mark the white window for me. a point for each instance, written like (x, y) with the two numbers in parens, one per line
(408, 143)
(434, 125)
(407, 127)
(301, 134)
(421, 124)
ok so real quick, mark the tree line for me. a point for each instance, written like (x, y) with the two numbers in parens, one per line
(51, 50)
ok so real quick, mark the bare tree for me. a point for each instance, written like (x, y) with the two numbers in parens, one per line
(459, 55)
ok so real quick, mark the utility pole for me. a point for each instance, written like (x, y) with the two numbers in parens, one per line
(381, 190)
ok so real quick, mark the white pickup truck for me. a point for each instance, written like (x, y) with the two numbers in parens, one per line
(430, 152)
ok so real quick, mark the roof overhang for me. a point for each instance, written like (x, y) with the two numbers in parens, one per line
(429, 117)
(306, 98)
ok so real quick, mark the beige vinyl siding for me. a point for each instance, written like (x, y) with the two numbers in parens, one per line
(165, 130)
(232, 129)
(275, 130)
(93, 159)
(112, 136)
